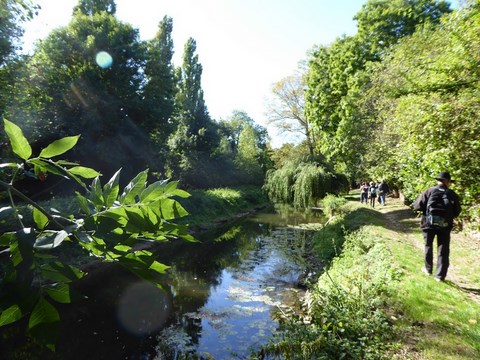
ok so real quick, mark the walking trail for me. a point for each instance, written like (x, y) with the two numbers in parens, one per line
(464, 247)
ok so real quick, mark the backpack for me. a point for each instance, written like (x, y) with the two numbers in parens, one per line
(439, 209)
(373, 190)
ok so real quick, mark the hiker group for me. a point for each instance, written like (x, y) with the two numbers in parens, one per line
(370, 191)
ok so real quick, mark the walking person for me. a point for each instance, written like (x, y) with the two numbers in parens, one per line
(372, 191)
(364, 193)
(382, 192)
(439, 206)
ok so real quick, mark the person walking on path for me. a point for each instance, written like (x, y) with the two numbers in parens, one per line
(439, 206)
(382, 192)
(364, 193)
(372, 192)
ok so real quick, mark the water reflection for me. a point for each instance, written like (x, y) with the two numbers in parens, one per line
(217, 297)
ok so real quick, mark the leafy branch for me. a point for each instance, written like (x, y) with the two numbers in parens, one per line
(108, 224)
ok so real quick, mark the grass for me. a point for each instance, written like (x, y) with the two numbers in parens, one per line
(374, 256)
(437, 320)
(207, 207)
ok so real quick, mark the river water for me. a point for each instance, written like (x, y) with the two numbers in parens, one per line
(218, 299)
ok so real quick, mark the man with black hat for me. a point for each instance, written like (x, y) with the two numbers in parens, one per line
(439, 206)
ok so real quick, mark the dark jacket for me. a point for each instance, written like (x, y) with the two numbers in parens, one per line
(383, 187)
(421, 205)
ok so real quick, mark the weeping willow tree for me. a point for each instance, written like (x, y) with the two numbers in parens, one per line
(312, 182)
(279, 183)
(303, 184)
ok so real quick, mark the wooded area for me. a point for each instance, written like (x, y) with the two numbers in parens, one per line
(399, 100)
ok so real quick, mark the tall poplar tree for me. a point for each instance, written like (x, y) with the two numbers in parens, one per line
(159, 91)
(196, 135)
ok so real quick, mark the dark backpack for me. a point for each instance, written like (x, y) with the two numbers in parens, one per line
(439, 209)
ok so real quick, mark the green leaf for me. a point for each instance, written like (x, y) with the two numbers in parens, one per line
(83, 202)
(96, 194)
(154, 191)
(7, 238)
(84, 172)
(51, 240)
(159, 267)
(20, 145)
(136, 221)
(10, 315)
(171, 209)
(59, 292)
(134, 188)
(44, 323)
(59, 147)
(111, 190)
(45, 166)
(58, 271)
(84, 237)
(40, 219)
(171, 190)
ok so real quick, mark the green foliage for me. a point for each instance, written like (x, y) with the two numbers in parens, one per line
(109, 223)
(341, 315)
(302, 184)
(381, 23)
(311, 182)
(332, 204)
(160, 90)
(338, 103)
(426, 93)
(210, 205)
(12, 14)
(279, 183)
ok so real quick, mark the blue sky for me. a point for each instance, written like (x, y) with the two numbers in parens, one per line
(244, 46)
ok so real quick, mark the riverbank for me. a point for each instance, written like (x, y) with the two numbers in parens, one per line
(373, 302)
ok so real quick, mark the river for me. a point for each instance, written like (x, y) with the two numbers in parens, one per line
(218, 299)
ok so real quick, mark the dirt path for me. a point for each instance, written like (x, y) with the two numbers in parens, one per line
(465, 248)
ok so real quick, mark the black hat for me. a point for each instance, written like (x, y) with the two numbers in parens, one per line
(444, 175)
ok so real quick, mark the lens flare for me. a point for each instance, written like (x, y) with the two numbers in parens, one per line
(143, 308)
(104, 59)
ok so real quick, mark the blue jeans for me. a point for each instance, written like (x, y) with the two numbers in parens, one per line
(381, 198)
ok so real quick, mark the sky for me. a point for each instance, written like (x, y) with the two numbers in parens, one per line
(244, 46)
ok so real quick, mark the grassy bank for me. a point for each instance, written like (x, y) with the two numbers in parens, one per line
(209, 207)
(373, 302)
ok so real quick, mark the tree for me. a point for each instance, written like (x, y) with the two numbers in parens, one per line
(426, 94)
(86, 78)
(381, 23)
(339, 77)
(12, 14)
(287, 109)
(159, 91)
(91, 7)
(195, 136)
(249, 155)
